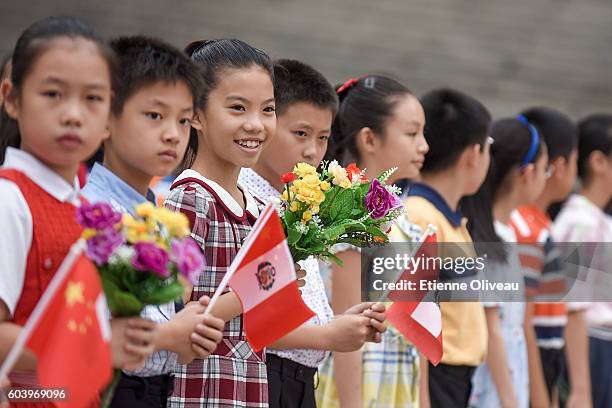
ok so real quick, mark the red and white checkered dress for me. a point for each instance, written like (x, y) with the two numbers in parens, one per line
(234, 375)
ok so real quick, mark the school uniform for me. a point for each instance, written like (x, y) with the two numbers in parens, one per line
(464, 327)
(38, 224)
(151, 385)
(291, 372)
(234, 375)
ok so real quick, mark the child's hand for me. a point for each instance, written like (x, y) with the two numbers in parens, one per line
(301, 274)
(376, 313)
(348, 332)
(133, 340)
(208, 333)
(179, 329)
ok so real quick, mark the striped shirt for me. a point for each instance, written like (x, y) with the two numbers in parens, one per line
(544, 274)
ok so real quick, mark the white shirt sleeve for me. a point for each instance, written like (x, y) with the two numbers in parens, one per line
(15, 241)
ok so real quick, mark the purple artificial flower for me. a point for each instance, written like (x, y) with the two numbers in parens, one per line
(149, 257)
(101, 246)
(98, 216)
(189, 259)
(379, 201)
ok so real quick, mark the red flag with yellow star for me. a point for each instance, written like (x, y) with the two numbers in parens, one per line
(70, 333)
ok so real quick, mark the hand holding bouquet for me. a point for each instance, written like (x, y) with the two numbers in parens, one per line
(336, 205)
(140, 258)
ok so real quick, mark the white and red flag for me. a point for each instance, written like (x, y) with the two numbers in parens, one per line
(263, 276)
(419, 321)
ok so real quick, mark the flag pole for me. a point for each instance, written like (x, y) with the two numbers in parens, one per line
(428, 231)
(10, 360)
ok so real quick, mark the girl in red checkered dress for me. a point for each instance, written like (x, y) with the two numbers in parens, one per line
(229, 133)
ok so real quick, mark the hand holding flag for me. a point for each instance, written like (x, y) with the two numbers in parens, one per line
(420, 322)
(263, 277)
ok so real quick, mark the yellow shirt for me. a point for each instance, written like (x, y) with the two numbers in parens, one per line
(464, 328)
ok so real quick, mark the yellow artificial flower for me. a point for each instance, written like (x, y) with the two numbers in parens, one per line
(303, 169)
(345, 183)
(314, 209)
(325, 186)
(136, 231)
(284, 196)
(145, 209)
(294, 206)
(88, 233)
(307, 216)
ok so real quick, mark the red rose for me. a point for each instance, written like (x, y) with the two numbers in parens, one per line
(352, 169)
(287, 178)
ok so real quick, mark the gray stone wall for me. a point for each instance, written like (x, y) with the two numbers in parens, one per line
(509, 53)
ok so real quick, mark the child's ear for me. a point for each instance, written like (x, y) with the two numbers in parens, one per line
(197, 122)
(597, 162)
(366, 140)
(471, 155)
(11, 104)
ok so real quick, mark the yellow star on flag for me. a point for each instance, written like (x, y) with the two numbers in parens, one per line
(74, 293)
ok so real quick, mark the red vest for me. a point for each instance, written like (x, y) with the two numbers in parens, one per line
(54, 231)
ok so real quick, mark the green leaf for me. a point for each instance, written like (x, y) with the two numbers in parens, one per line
(164, 294)
(342, 205)
(332, 233)
(293, 235)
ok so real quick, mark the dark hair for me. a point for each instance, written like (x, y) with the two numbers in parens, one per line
(365, 102)
(513, 139)
(30, 45)
(453, 122)
(144, 61)
(214, 57)
(594, 133)
(295, 81)
(559, 132)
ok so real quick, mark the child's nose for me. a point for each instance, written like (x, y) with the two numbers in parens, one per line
(171, 135)
(254, 124)
(72, 114)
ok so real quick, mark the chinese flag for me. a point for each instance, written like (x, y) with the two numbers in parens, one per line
(265, 281)
(420, 322)
(70, 334)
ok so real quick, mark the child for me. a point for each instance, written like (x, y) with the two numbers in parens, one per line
(305, 106)
(157, 92)
(59, 100)
(379, 125)
(516, 176)
(237, 121)
(583, 219)
(546, 323)
(456, 130)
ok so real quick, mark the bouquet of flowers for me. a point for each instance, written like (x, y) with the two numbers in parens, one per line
(336, 205)
(140, 258)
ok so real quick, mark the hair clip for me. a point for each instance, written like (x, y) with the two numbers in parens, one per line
(348, 84)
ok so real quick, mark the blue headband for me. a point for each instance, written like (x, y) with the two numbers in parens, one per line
(535, 140)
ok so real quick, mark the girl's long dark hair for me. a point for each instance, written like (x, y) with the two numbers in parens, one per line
(513, 139)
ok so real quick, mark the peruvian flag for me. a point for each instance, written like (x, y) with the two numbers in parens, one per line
(69, 332)
(420, 321)
(263, 277)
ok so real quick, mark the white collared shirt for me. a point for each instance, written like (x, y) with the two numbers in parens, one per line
(313, 292)
(16, 219)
